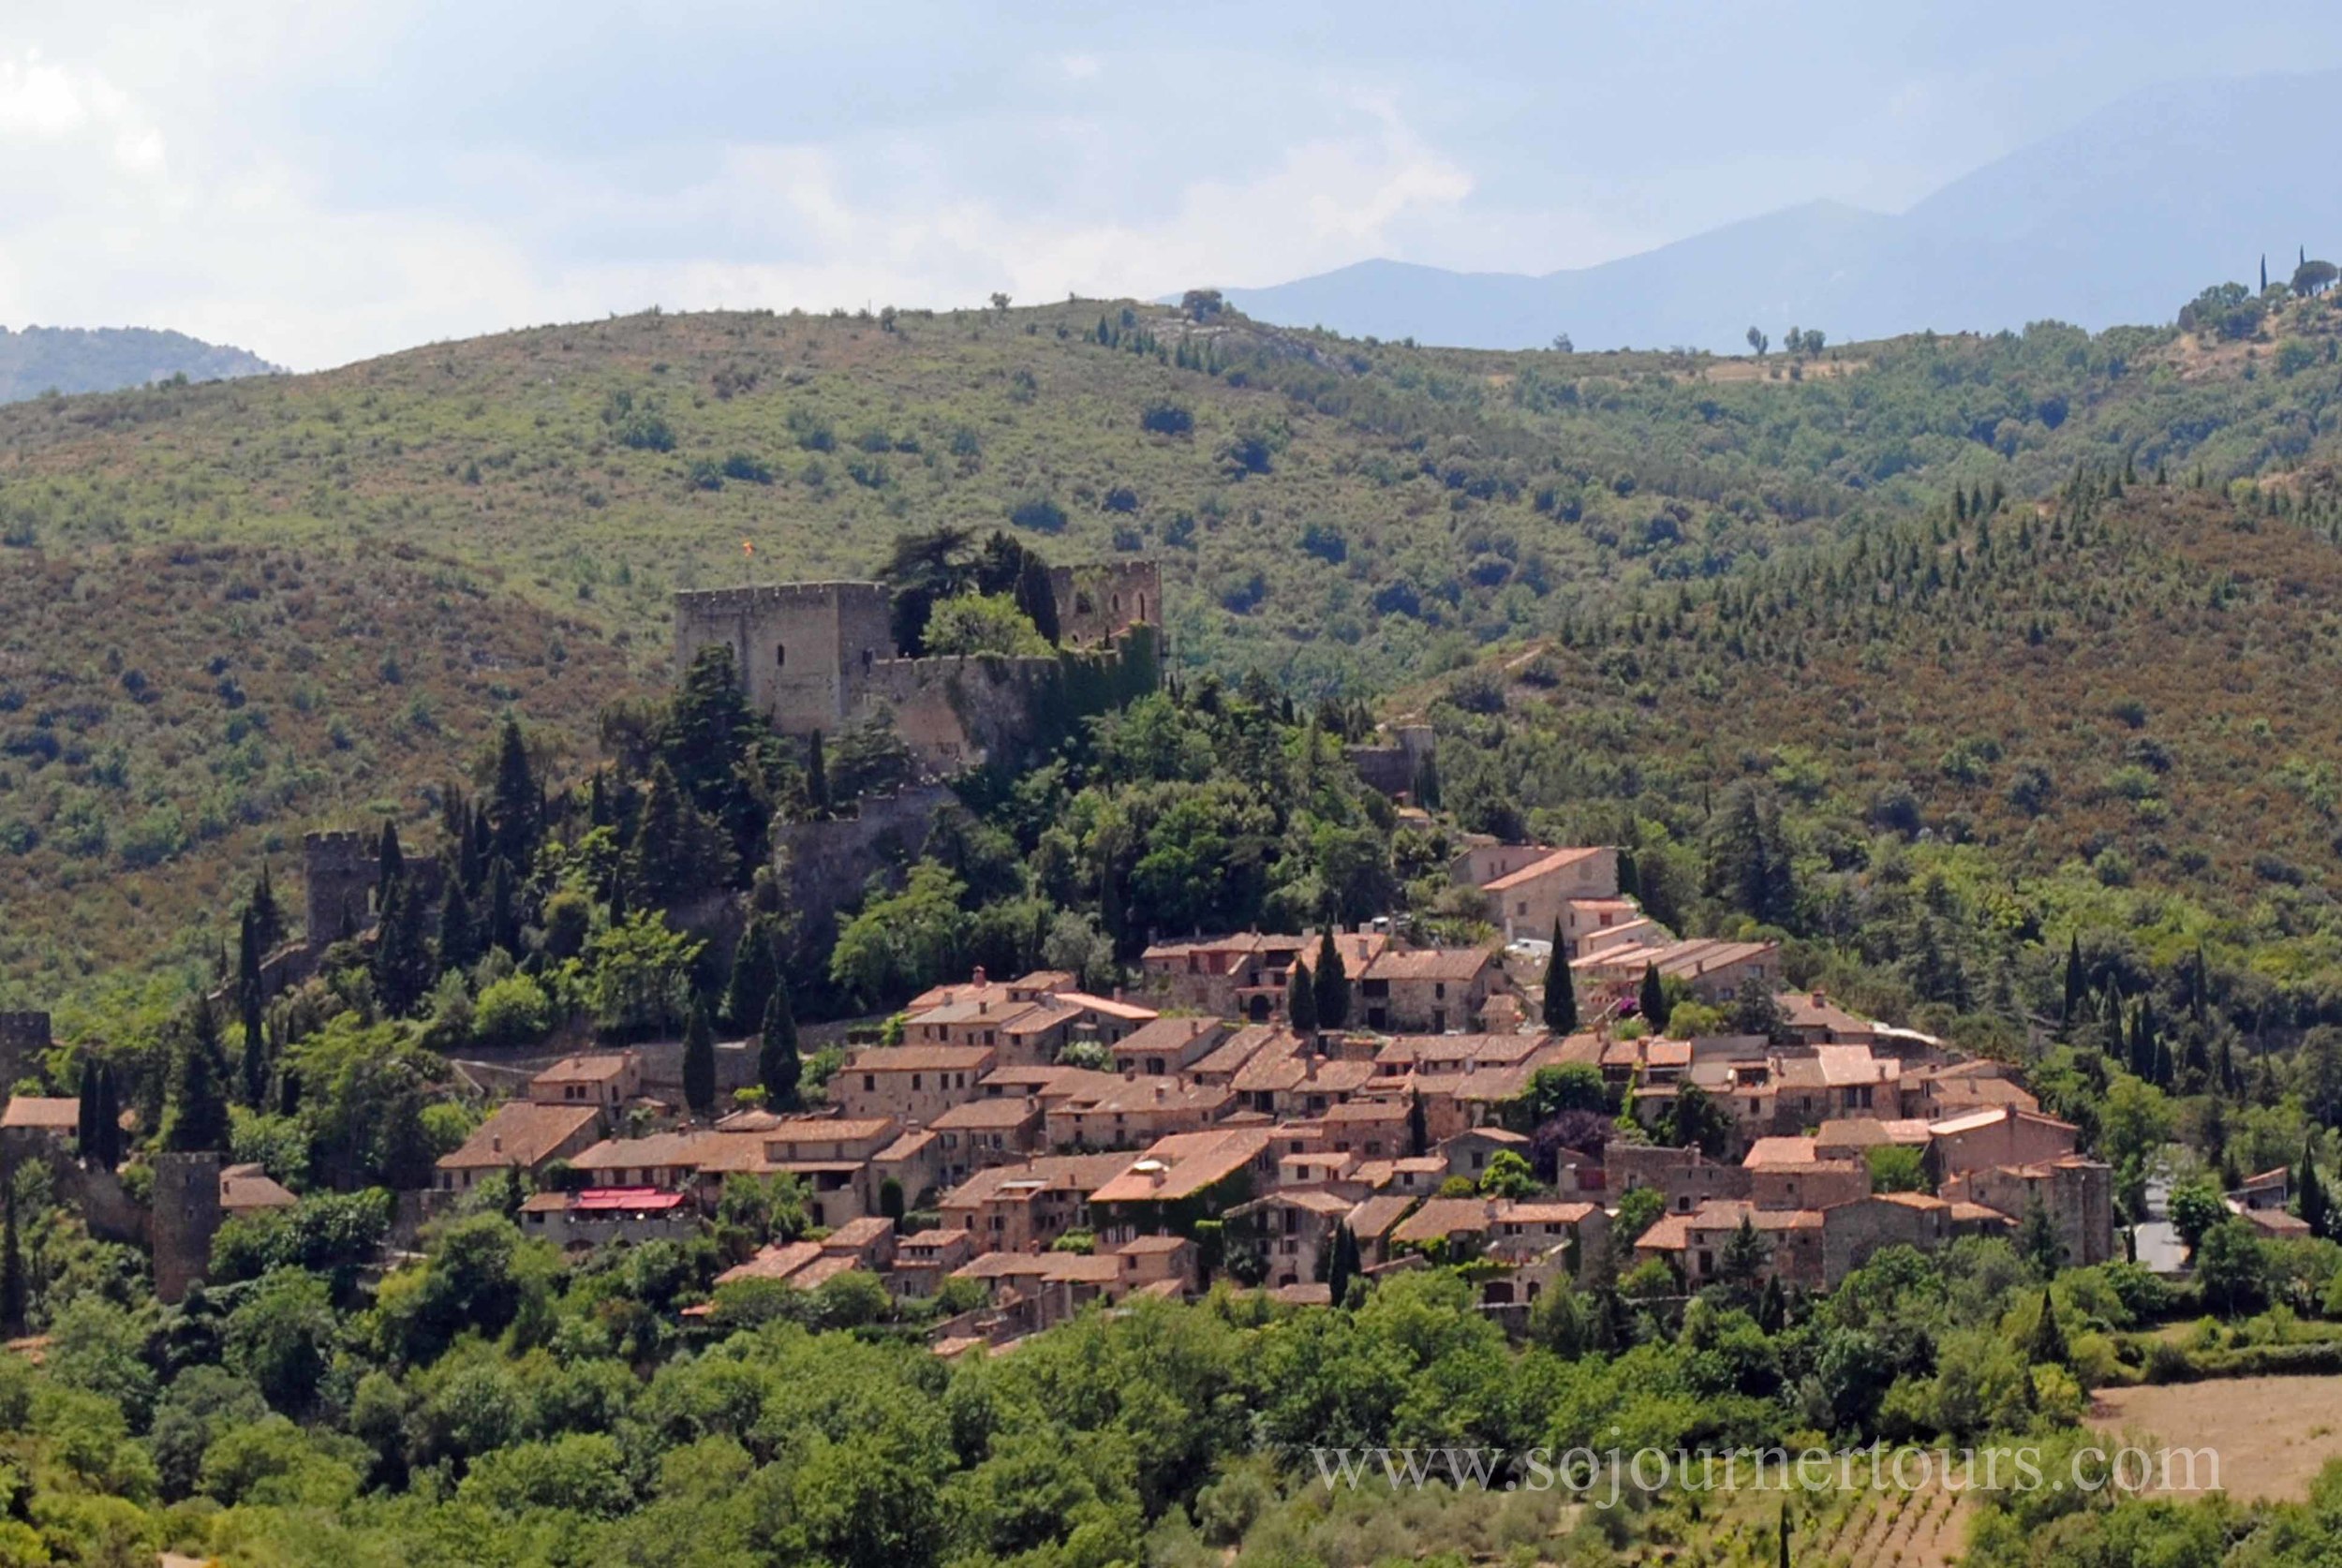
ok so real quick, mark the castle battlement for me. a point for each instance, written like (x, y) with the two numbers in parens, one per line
(817, 657)
(759, 596)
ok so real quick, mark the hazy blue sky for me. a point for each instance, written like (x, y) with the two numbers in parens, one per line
(320, 181)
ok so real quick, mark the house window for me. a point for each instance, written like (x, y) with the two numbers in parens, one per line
(1439, 989)
(780, 654)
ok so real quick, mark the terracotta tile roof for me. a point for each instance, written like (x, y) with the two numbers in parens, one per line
(1172, 1035)
(1111, 1007)
(583, 1069)
(988, 1114)
(245, 1189)
(1182, 1165)
(49, 1114)
(1778, 1152)
(1074, 1173)
(1559, 859)
(1375, 1217)
(520, 1133)
(778, 1261)
(1542, 1213)
(920, 1059)
(1445, 1217)
(1430, 963)
(1254, 1040)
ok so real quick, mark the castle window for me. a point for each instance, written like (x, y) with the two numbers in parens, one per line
(867, 657)
(780, 654)
(1118, 604)
(1142, 607)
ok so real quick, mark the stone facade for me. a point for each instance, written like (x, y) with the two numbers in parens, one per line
(338, 872)
(186, 1216)
(817, 657)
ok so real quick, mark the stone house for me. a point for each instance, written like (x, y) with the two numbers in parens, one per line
(1167, 1045)
(1427, 990)
(980, 1133)
(521, 1134)
(605, 1082)
(1024, 1208)
(2001, 1135)
(1294, 1228)
(599, 1215)
(910, 1083)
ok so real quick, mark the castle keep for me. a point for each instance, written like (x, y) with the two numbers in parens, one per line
(817, 657)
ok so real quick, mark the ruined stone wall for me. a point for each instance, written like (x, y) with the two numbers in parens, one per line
(1097, 603)
(338, 871)
(185, 1217)
(1390, 767)
(824, 865)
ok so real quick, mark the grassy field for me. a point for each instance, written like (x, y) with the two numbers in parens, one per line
(2273, 1434)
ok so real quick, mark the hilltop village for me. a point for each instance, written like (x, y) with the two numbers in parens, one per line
(1291, 1112)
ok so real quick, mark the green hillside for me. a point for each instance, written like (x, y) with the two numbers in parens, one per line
(2108, 712)
(1342, 516)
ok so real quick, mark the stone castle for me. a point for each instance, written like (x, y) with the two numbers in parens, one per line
(817, 657)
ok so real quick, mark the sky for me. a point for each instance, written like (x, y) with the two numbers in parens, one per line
(319, 182)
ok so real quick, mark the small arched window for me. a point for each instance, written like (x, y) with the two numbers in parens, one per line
(780, 654)
(1118, 604)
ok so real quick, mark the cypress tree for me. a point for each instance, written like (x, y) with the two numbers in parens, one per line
(1301, 1002)
(1331, 980)
(1037, 598)
(13, 1293)
(515, 803)
(109, 1127)
(504, 925)
(1773, 1308)
(2074, 982)
(816, 774)
(755, 970)
(1561, 990)
(2311, 1194)
(2048, 1346)
(195, 1114)
(458, 941)
(268, 914)
(1785, 1533)
(1654, 1000)
(779, 1067)
(699, 1060)
(390, 864)
(1342, 1264)
(1419, 1127)
(401, 965)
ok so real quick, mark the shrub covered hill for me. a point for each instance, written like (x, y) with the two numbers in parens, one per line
(332, 584)
(2110, 710)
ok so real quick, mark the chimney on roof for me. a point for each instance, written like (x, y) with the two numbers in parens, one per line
(496, 1142)
(976, 976)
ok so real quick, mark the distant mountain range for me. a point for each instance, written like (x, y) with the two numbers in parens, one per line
(2122, 218)
(106, 359)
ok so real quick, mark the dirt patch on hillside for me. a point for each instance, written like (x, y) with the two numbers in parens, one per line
(2273, 1434)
